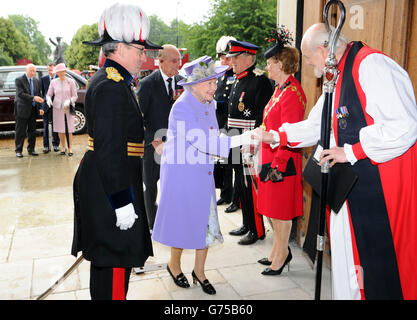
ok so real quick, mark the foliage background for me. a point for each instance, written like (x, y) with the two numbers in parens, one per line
(246, 20)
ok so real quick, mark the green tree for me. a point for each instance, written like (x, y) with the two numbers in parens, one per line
(246, 20)
(13, 44)
(39, 48)
(80, 56)
(5, 59)
(161, 33)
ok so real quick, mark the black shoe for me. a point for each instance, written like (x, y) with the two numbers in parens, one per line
(205, 285)
(249, 239)
(56, 149)
(239, 231)
(180, 280)
(231, 208)
(70, 154)
(46, 150)
(265, 261)
(19, 155)
(272, 272)
(33, 153)
(221, 201)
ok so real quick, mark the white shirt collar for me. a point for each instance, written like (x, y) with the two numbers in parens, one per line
(165, 77)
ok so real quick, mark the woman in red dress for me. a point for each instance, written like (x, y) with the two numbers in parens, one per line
(280, 194)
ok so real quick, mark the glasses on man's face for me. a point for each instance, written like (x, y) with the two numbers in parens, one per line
(141, 50)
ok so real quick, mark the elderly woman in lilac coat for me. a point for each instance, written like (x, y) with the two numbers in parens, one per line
(187, 211)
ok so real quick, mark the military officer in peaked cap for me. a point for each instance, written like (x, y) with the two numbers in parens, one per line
(223, 172)
(110, 225)
(249, 95)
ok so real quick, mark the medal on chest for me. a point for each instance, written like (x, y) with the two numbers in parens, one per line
(342, 114)
(241, 105)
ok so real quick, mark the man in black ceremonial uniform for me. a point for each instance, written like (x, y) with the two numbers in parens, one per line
(110, 226)
(223, 172)
(249, 95)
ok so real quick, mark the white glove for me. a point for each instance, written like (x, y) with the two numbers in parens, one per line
(49, 101)
(67, 103)
(126, 217)
(243, 139)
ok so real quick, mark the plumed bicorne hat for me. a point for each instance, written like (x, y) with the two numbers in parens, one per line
(222, 47)
(123, 23)
(201, 69)
(278, 39)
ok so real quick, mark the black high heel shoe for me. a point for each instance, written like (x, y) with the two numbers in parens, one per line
(205, 285)
(180, 280)
(272, 272)
(265, 261)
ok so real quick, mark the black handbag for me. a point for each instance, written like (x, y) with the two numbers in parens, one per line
(273, 174)
(72, 110)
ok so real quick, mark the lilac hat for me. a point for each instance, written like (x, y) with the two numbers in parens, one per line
(201, 69)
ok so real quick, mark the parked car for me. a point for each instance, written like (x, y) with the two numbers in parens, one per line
(8, 94)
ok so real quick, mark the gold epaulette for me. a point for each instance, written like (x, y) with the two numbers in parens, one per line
(258, 72)
(133, 149)
(113, 74)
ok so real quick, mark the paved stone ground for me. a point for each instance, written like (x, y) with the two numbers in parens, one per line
(36, 210)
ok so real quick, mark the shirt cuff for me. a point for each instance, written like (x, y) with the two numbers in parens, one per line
(276, 139)
(354, 152)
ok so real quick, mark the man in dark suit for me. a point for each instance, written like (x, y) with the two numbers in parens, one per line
(27, 107)
(157, 93)
(47, 115)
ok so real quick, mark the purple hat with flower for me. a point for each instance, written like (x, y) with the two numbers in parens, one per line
(201, 69)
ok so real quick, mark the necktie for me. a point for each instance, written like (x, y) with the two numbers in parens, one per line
(170, 93)
(31, 90)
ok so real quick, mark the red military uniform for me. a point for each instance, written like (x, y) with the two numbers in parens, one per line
(282, 200)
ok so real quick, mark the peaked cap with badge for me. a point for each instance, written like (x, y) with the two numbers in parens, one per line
(109, 177)
(239, 47)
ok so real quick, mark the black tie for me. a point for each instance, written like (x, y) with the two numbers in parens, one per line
(170, 93)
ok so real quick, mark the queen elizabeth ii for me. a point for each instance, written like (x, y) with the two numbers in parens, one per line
(187, 211)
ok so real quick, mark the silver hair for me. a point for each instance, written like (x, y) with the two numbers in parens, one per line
(321, 38)
(163, 52)
(109, 48)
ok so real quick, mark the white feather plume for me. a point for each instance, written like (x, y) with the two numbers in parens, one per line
(223, 42)
(124, 22)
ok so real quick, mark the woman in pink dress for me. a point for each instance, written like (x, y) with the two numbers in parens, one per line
(65, 94)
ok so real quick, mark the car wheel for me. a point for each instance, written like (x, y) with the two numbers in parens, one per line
(80, 120)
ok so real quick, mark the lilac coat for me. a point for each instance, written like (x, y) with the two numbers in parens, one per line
(186, 176)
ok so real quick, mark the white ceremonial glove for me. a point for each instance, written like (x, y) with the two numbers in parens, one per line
(126, 217)
(67, 103)
(242, 139)
(49, 101)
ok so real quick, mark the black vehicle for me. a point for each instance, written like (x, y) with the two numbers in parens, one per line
(8, 93)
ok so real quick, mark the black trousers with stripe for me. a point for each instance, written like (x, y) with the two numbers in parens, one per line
(109, 283)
